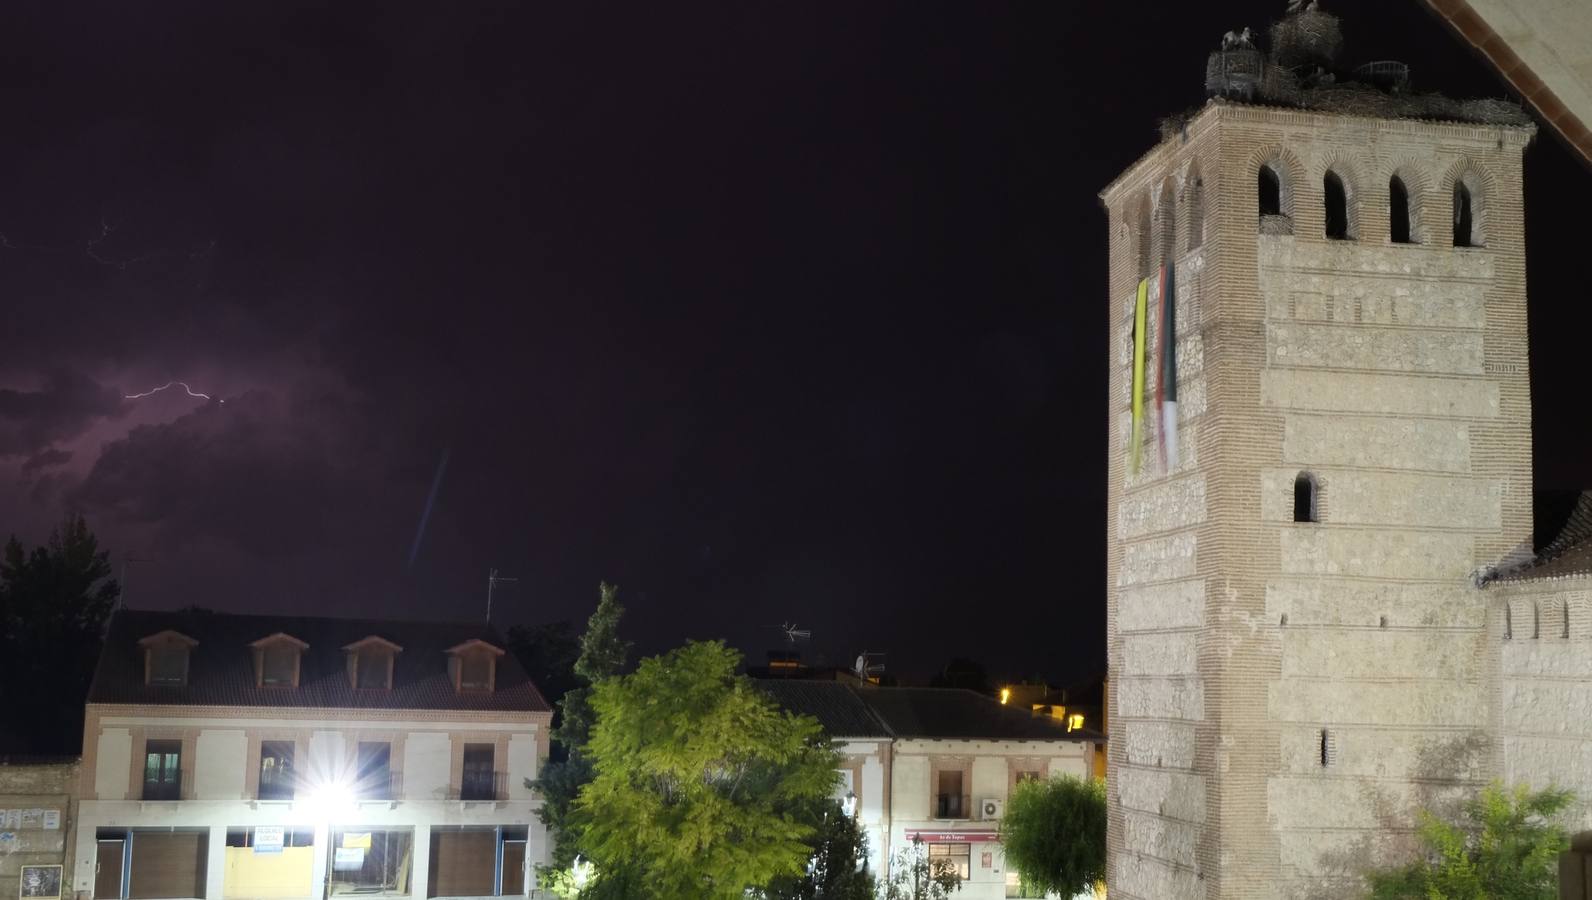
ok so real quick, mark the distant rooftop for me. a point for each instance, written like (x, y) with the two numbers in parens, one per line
(1567, 555)
(865, 711)
(221, 668)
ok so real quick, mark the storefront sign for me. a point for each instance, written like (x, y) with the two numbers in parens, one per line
(356, 839)
(349, 858)
(954, 837)
(268, 839)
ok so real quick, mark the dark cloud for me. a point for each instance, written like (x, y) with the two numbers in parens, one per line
(273, 471)
(69, 404)
(46, 458)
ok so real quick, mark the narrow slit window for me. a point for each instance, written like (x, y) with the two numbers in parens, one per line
(1196, 214)
(1337, 207)
(1326, 748)
(1398, 198)
(1304, 498)
(1270, 192)
(1464, 217)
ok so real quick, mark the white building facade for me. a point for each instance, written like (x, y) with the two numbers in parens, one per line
(929, 769)
(266, 757)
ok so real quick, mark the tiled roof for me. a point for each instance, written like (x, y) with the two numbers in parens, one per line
(957, 713)
(864, 711)
(832, 703)
(1568, 555)
(221, 666)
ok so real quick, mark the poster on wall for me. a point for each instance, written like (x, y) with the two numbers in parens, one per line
(52, 820)
(268, 839)
(356, 840)
(41, 882)
(348, 858)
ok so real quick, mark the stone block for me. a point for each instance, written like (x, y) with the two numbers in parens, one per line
(1438, 703)
(1365, 347)
(1361, 392)
(1180, 795)
(1327, 601)
(1156, 745)
(1171, 504)
(1317, 550)
(1178, 604)
(1380, 653)
(1427, 444)
(1157, 559)
(1159, 698)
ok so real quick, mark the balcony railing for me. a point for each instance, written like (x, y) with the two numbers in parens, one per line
(483, 786)
(951, 806)
(381, 785)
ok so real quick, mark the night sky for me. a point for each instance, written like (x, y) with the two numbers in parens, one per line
(766, 312)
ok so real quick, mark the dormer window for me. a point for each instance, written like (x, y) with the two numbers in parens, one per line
(277, 660)
(370, 663)
(473, 665)
(166, 658)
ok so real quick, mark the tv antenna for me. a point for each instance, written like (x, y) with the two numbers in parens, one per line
(794, 634)
(492, 580)
(869, 665)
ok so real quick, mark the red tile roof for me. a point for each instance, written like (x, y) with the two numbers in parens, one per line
(221, 668)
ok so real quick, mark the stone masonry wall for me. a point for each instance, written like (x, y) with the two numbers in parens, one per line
(1287, 695)
(28, 791)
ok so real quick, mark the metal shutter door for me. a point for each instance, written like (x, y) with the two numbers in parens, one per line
(167, 865)
(462, 863)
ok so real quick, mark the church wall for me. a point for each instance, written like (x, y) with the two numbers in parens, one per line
(1541, 634)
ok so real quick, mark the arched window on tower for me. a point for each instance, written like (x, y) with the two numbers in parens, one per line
(1464, 216)
(1337, 207)
(1196, 213)
(1398, 203)
(1270, 192)
(1305, 498)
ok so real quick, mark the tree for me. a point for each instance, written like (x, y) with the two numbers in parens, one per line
(1506, 848)
(1054, 834)
(838, 867)
(701, 779)
(914, 876)
(548, 653)
(53, 605)
(602, 655)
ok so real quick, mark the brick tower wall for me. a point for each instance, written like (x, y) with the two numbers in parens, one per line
(1394, 376)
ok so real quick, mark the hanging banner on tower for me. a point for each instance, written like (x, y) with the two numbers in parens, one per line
(1166, 384)
(1139, 310)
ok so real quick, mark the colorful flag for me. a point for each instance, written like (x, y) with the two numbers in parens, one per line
(1166, 385)
(1138, 375)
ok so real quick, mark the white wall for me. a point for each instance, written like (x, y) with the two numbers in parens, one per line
(428, 756)
(909, 790)
(521, 765)
(328, 760)
(218, 772)
(1077, 766)
(113, 763)
(990, 775)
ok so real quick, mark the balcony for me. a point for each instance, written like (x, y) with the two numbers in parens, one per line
(951, 806)
(483, 786)
(380, 784)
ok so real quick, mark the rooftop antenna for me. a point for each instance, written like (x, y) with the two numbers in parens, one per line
(121, 581)
(793, 634)
(492, 579)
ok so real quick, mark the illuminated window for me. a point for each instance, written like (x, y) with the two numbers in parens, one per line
(1006, 694)
(162, 770)
(276, 770)
(954, 856)
(1075, 721)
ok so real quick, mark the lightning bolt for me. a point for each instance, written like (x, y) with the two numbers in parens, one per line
(181, 384)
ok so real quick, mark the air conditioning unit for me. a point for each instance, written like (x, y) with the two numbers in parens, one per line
(991, 809)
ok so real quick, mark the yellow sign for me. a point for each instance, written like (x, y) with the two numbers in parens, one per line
(356, 840)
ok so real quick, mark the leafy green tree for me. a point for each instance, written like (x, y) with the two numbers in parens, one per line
(838, 868)
(602, 655)
(701, 779)
(53, 605)
(1506, 848)
(914, 876)
(1054, 834)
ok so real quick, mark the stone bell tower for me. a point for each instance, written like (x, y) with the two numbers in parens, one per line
(1299, 652)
